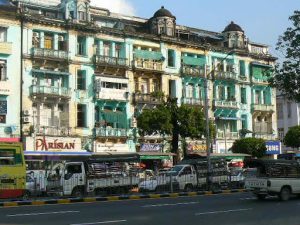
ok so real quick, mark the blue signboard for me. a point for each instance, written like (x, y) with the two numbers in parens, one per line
(273, 147)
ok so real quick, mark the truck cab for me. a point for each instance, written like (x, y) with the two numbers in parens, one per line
(68, 179)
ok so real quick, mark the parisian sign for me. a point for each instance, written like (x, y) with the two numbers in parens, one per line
(57, 144)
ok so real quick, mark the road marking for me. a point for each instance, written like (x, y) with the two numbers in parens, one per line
(171, 204)
(223, 211)
(103, 222)
(42, 213)
(250, 198)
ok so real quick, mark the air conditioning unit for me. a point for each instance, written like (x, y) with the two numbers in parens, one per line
(27, 112)
(27, 120)
(35, 34)
(60, 38)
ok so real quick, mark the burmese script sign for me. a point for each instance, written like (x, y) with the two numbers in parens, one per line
(57, 144)
(200, 148)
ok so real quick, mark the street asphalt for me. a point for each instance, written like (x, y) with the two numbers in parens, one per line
(223, 209)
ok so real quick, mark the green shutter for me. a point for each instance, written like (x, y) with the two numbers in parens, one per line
(143, 54)
(242, 68)
(188, 60)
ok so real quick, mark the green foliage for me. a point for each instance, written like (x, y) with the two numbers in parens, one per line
(155, 121)
(252, 146)
(287, 74)
(292, 137)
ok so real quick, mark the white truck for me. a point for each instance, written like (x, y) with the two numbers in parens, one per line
(87, 178)
(274, 178)
(187, 176)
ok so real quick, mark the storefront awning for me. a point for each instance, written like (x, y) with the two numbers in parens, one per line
(261, 64)
(226, 114)
(155, 155)
(115, 157)
(152, 55)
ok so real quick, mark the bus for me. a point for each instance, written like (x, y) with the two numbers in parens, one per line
(12, 170)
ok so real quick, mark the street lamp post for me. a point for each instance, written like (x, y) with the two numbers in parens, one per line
(206, 105)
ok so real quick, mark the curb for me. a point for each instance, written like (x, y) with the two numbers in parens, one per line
(115, 198)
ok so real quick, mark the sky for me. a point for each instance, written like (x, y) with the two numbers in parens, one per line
(262, 20)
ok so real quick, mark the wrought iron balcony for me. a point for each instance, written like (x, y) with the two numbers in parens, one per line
(103, 60)
(263, 107)
(225, 75)
(226, 104)
(110, 132)
(49, 54)
(53, 130)
(193, 71)
(228, 135)
(148, 98)
(148, 65)
(262, 128)
(6, 48)
(259, 80)
(193, 101)
(50, 91)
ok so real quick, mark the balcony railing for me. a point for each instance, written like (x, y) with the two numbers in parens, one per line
(226, 75)
(228, 135)
(53, 130)
(147, 98)
(112, 61)
(259, 80)
(193, 101)
(6, 48)
(193, 71)
(147, 64)
(262, 107)
(225, 104)
(110, 132)
(49, 54)
(50, 90)
(262, 128)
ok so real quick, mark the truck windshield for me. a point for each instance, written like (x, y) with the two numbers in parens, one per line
(175, 170)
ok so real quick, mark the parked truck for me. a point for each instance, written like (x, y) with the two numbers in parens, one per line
(89, 178)
(274, 178)
(188, 175)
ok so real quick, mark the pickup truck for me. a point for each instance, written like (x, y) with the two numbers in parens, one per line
(84, 178)
(274, 177)
(186, 176)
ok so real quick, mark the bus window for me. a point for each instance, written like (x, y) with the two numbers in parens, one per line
(7, 157)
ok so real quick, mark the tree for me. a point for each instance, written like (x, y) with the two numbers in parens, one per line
(292, 137)
(169, 119)
(252, 146)
(287, 73)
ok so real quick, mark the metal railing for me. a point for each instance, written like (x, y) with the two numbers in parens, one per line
(109, 60)
(229, 135)
(263, 107)
(193, 101)
(225, 75)
(53, 130)
(49, 53)
(262, 128)
(226, 104)
(147, 64)
(193, 71)
(110, 132)
(50, 90)
(147, 98)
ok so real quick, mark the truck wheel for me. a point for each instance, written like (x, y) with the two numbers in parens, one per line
(285, 194)
(77, 192)
(188, 188)
(261, 196)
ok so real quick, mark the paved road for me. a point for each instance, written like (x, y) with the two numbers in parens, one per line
(231, 209)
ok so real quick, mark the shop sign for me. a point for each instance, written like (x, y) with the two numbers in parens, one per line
(53, 144)
(197, 148)
(148, 147)
(273, 147)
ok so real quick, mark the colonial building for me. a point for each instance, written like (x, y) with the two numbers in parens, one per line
(88, 73)
(10, 53)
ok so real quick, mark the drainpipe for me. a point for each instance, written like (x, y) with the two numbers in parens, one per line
(21, 81)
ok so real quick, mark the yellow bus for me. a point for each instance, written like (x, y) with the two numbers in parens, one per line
(12, 170)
